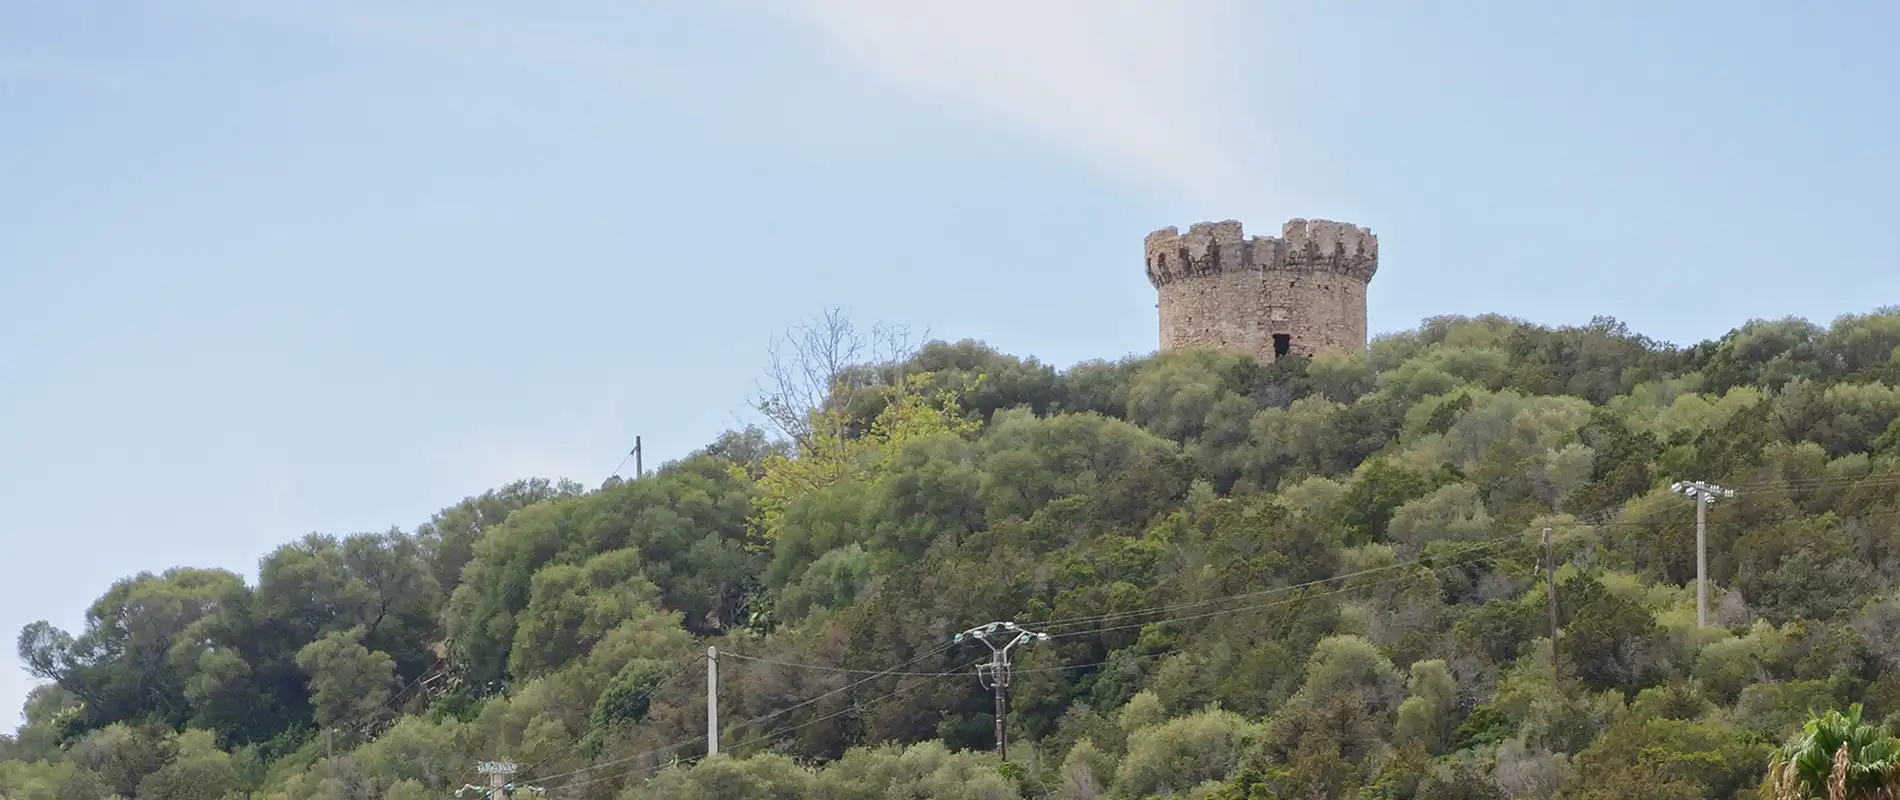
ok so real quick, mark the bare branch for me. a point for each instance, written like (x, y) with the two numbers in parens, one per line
(818, 362)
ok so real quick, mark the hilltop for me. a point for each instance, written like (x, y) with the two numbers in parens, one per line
(1322, 576)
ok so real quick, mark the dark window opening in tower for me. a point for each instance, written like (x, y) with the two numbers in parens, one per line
(1282, 344)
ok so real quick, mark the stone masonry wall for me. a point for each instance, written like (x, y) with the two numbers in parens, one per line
(1220, 288)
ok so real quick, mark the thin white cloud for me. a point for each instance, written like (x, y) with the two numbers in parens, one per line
(1155, 93)
(1142, 89)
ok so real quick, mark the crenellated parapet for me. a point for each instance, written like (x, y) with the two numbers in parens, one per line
(1297, 294)
(1318, 245)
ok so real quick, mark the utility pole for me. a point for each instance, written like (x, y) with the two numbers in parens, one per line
(1550, 589)
(497, 772)
(995, 674)
(1704, 495)
(712, 702)
(639, 469)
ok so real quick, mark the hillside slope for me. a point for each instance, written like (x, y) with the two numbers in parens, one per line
(1307, 579)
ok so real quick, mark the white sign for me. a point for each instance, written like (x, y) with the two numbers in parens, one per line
(494, 767)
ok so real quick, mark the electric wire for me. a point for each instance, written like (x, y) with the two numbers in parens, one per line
(902, 690)
(1606, 515)
(1421, 559)
(930, 677)
(756, 720)
(844, 670)
(1070, 622)
(595, 725)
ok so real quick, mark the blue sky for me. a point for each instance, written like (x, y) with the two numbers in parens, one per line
(272, 268)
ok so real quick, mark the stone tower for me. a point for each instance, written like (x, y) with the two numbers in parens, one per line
(1299, 294)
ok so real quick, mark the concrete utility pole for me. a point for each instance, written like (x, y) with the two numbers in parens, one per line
(712, 701)
(995, 674)
(639, 468)
(1704, 495)
(498, 783)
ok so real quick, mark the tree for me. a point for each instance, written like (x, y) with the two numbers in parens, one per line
(828, 454)
(1258, 579)
(816, 365)
(448, 538)
(572, 607)
(1425, 716)
(199, 771)
(348, 682)
(1609, 639)
(1176, 756)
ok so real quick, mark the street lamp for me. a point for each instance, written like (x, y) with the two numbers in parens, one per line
(1704, 495)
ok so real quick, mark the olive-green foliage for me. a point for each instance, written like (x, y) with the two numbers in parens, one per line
(348, 682)
(1311, 578)
(1175, 756)
(629, 695)
(925, 770)
(1425, 716)
(1715, 759)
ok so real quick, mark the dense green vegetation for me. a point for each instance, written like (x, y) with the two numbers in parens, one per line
(1312, 579)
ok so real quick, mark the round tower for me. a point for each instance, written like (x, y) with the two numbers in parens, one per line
(1300, 293)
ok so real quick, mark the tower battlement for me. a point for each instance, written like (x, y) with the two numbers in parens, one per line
(1298, 293)
(1317, 245)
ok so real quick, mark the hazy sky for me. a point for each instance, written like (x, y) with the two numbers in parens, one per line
(272, 268)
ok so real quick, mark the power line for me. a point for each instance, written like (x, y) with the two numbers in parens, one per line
(849, 686)
(757, 739)
(1070, 622)
(637, 456)
(595, 724)
(926, 678)
(1581, 522)
(755, 720)
(1606, 515)
(1261, 606)
(824, 668)
(1520, 546)
(998, 672)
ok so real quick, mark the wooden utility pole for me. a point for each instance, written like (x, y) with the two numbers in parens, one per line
(1550, 589)
(1001, 638)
